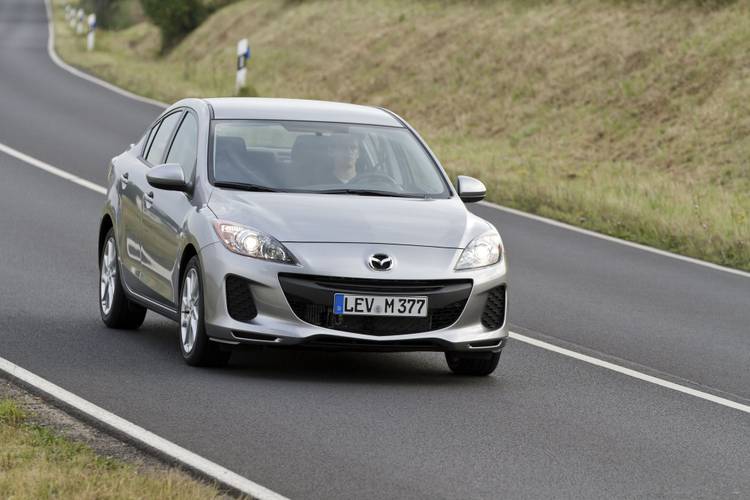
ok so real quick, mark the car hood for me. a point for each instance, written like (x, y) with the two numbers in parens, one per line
(305, 217)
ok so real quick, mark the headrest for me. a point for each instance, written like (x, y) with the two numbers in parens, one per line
(307, 146)
(230, 145)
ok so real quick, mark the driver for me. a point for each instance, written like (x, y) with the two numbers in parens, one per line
(344, 152)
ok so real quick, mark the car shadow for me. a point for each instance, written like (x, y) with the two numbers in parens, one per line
(297, 364)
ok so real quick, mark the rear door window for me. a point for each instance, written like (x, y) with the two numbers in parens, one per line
(184, 148)
(161, 138)
(145, 142)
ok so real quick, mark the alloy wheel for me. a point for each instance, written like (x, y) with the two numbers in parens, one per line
(189, 310)
(107, 276)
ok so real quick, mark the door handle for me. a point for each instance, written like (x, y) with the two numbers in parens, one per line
(124, 180)
(148, 200)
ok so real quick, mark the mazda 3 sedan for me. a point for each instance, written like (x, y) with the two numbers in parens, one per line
(282, 223)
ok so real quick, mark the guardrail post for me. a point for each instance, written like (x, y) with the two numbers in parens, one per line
(79, 22)
(243, 54)
(92, 32)
(72, 18)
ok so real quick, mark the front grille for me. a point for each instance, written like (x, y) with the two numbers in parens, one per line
(311, 299)
(493, 316)
(240, 304)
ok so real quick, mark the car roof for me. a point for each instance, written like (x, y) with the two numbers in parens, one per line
(263, 108)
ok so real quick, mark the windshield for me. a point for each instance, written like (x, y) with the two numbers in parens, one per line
(329, 158)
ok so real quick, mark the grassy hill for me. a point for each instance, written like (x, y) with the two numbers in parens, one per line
(630, 118)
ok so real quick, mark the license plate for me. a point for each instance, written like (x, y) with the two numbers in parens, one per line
(379, 305)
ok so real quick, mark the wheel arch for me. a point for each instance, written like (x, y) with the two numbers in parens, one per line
(187, 253)
(104, 226)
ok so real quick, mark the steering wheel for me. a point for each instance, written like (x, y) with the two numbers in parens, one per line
(376, 178)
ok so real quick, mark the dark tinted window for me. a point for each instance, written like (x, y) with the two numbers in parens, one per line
(161, 138)
(185, 146)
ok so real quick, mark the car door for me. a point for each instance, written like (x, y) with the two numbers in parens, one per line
(127, 169)
(163, 215)
(134, 187)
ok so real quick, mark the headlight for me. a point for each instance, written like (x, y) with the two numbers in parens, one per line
(484, 250)
(245, 241)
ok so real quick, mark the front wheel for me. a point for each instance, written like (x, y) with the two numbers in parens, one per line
(196, 348)
(115, 308)
(472, 363)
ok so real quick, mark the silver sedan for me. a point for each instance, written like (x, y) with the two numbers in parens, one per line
(292, 223)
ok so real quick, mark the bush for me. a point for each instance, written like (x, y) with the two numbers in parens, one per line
(174, 18)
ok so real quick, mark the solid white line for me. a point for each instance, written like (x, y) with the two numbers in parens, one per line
(613, 239)
(631, 373)
(537, 343)
(180, 454)
(150, 439)
(80, 74)
(52, 170)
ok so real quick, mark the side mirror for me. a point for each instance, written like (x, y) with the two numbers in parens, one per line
(168, 176)
(469, 189)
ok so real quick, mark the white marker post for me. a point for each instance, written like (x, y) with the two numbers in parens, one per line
(92, 32)
(79, 22)
(72, 18)
(243, 54)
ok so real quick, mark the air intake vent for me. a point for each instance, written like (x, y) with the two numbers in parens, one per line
(240, 304)
(493, 316)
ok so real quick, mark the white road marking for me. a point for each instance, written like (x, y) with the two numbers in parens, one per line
(80, 74)
(150, 439)
(612, 239)
(528, 340)
(51, 169)
(632, 373)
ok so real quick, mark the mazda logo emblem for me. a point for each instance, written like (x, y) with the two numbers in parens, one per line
(380, 262)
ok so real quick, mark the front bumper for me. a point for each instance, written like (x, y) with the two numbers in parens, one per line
(274, 322)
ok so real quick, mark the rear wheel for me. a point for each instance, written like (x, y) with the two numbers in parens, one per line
(472, 363)
(115, 308)
(196, 348)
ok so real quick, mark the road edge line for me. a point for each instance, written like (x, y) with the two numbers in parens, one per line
(151, 440)
(631, 373)
(614, 239)
(176, 452)
(82, 74)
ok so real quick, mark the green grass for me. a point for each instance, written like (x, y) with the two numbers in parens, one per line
(629, 118)
(37, 463)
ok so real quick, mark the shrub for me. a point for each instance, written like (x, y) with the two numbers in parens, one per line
(174, 18)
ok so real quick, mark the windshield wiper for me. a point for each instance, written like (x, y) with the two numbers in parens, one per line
(367, 192)
(244, 186)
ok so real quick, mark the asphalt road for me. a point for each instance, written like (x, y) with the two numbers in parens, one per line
(320, 425)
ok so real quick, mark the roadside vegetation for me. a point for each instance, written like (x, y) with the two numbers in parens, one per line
(628, 118)
(36, 463)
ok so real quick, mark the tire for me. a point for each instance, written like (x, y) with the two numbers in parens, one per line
(115, 308)
(195, 346)
(472, 363)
